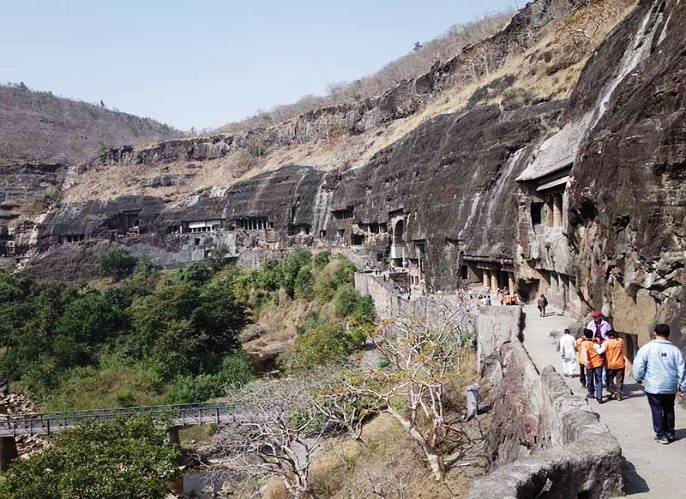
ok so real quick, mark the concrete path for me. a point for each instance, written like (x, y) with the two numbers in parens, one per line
(651, 469)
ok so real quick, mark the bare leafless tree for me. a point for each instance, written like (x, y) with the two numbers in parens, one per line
(424, 351)
(275, 433)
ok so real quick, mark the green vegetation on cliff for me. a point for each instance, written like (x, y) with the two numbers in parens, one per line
(158, 336)
(77, 347)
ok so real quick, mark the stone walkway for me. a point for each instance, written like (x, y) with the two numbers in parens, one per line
(651, 469)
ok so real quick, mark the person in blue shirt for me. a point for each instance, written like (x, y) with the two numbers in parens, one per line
(660, 366)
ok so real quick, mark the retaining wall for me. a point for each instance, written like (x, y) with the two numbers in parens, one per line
(387, 302)
(545, 441)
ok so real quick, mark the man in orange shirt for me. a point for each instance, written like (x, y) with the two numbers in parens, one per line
(613, 348)
(582, 367)
(594, 366)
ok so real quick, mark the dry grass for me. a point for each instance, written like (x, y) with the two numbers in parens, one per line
(275, 325)
(41, 127)
(198, 435)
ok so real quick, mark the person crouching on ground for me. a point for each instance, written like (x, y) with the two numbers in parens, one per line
(593, 362)
(568, 353)
(660, 365)
(613, 348)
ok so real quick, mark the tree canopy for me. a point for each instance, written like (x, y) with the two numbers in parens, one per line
(118, 459)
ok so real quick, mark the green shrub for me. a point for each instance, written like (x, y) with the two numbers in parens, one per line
(345, 272)
(271, 275)
(321, 260)
(116, 459)
(348, 304)
(117, 263)
(304, 283)
(323, 345)
(196, 274)
(295, 261)
(236, 370)
(311, 321)
(194, 389)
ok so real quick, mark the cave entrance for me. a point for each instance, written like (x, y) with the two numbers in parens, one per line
(630, 345)
(528, 290)
(398, 232)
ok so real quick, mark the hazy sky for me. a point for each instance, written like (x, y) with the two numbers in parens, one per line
(205, 62)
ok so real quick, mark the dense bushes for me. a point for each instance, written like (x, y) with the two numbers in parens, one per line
(323, 345)
(236, 371)
(340, 320)
(169, 336)
(163, 324)
(117, 263)
(117, 459)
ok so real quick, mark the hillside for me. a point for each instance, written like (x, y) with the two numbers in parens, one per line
(536, 57)
(545, 159)
(39, 127)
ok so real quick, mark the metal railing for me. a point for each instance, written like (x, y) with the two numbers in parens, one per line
(178, 415)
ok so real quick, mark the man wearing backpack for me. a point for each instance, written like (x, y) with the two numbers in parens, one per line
(542, 303)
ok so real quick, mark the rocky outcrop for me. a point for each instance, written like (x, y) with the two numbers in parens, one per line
(628, 198)
(434, 191)
(17, 403)
(407, 98)
(614, 172)
(26, 192)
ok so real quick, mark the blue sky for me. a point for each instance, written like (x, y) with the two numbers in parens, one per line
(203, 63)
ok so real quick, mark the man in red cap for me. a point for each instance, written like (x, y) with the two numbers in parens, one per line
(600, 327)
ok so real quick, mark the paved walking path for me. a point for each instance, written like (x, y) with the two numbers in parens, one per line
(651, 469)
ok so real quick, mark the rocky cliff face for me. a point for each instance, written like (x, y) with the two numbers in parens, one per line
(582, 199)
(406, 99)
(446, 192)
(628, 201)
(433, 192)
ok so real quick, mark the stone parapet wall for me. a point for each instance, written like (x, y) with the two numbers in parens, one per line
(496, 326)
(544, 440)
(386, 301)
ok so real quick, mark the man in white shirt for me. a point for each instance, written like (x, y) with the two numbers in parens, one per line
(568, 353)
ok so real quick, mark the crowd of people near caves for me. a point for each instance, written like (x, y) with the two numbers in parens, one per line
(659, 366)
(503, 296)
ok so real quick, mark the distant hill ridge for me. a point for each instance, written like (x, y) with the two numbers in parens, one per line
(40, 127)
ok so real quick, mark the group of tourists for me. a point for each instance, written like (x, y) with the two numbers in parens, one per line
(599, 353)
(507, 298)
(484, 297)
